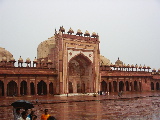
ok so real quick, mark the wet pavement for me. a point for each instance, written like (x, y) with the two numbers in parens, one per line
(130, 106)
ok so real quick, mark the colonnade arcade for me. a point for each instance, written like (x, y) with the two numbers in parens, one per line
(12, 88)
(116, 86)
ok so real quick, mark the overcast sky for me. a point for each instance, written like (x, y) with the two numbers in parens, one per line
(128, 29)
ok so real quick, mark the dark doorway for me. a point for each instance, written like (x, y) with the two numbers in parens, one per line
(152, 86)
(42, 88)
(23, 88)
(70, 86)
(104, 86)
(1, 88)
(121, 86)
(12, 89)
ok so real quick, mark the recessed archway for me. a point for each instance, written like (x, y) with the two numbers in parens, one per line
(115, 86)
(42, 88)
(1, 88)
(23, 88)
(152, 86)
(135, 86)
(121, 86)
(80, 73)
(70, 86)
(104, 86)
(157, 86)
(127, 86)
(12, 89)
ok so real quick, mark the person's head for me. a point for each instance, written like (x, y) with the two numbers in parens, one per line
(32, 112)
(34, 117)
(24, 114)
(18, 110)
(46, 111)
(51, 118)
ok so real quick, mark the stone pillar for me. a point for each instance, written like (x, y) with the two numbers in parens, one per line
(19, 86)
(28, 87)
(154, 86)
(35, 85)
(112, 88)
(117, 86)
(107, 86)
(124, 89)
(5, 87)
(138, 89)
(48, 85)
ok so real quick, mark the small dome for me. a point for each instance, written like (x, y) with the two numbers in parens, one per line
(20, 59)
(128, 66)
(136, 66)
(94, 34)
(70, 31)
(4, 59)
(140, 66)
(79, 32)
(144, 67)
(87, 33)
(154, 70)
(28, 60)
(62, 29)
(35, 60)
(132, 66)
(148, 67)
(118, 62)
(12, 58)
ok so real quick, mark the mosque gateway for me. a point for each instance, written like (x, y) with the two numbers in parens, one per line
(71, 63)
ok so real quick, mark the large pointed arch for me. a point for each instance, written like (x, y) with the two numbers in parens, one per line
(80, 72)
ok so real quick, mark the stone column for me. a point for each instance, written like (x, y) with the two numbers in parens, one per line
(107, 86)
(19, 86)
(35, 85)
(154, 86)
(117, 86)
(112, 88)
(48, 85)
(124, 86)
(5, 87)
(28, 87)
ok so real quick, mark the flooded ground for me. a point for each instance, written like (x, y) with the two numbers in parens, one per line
(135, 106)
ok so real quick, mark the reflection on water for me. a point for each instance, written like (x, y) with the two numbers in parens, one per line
(132, 109)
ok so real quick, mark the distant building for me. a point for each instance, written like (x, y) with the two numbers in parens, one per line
(68, 63)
